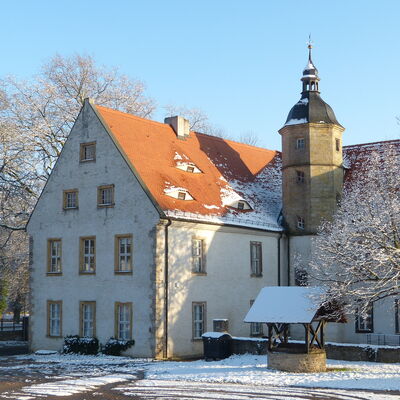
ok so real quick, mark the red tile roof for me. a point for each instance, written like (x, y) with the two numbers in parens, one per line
(230, 171)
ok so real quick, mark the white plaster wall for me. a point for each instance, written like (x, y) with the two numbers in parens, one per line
(227, 287)
(133, 213)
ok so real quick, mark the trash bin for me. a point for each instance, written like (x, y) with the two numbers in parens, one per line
(217, 345)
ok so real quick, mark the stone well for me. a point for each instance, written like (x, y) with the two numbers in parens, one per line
(294, 359)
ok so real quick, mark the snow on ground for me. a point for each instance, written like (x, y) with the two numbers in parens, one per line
(252, 370)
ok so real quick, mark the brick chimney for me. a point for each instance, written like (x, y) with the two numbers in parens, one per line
(180, 125)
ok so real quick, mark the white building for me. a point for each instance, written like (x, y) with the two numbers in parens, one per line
(148, 231)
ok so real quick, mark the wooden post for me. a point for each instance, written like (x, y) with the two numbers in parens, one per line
(307, 338)
(322, 334)
(269, 337)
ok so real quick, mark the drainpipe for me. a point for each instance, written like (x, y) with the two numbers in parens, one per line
(166, 252)
(279, 259)
(288, 261)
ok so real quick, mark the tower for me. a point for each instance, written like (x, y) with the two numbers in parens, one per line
(312, 170)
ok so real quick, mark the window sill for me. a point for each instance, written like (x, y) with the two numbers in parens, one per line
(116, 272)
(364, 331)
(87, 273)
(70, 208)
(197, 339)
(256, 275)
(53, 273)
(199, 273)
(54, 337)
(105, 205)
(88, 160)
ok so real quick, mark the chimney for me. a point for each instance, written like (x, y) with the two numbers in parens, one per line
(180, 125)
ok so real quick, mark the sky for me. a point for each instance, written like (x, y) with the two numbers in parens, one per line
(239, 61)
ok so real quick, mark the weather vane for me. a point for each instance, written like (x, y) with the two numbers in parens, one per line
(310, 42)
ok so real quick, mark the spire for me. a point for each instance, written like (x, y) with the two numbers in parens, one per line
(310, 77)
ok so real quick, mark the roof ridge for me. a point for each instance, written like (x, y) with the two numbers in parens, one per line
(372, 143)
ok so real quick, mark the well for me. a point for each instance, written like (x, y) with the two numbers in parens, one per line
(294, 359)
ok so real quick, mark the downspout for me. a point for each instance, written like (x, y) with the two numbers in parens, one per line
(279, 259)
(166, 265)
(288, 261)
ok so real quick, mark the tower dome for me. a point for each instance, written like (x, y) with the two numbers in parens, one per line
(311, 108)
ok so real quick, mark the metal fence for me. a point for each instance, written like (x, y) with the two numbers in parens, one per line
(8, 325)
(382, 339)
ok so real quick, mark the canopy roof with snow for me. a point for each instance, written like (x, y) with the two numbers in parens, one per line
(286, 304)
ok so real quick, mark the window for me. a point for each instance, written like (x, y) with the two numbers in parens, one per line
(364, 324)
(88, 152)
(337, 144)
(70, 199)
(123, 321)
(240, 205)
(87, 322)
(87, 255)
(299, 176)
(397, 315)
(105, 196)
(198, 258)
(181, 195)
(300, 223)
(256, 258)
(255, 327)
(300, 143)
(54, 256)
(190, 168)
(123, 253)
(198, 319)
(54, 318)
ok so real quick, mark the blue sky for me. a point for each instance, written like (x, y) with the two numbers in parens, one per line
(239, 61)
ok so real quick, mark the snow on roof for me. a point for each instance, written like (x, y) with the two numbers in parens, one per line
(284, 304)
(230, 171)
(295, 121)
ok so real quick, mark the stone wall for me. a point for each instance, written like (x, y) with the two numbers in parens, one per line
(315, 361)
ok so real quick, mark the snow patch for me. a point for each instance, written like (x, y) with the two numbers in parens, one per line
(295, 121)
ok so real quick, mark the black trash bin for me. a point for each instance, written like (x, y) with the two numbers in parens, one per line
(217, 345)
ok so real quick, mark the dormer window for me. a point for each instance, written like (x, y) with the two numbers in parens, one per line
(188, 167)
(181, 195)
(242, 205)
(178, 193)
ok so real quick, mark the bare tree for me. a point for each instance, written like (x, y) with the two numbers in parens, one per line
(357, 255)
(249, 138)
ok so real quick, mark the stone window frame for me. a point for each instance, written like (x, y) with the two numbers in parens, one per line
(202, 304)
(254, 270)
(117, 306)
(117, 269)
(201, 257)
(100, 191)
(48, 307)
(81, 316)
(65, 199)
(82, 152)
(337, 144)
(300, 143)
(256, 328)
(365, 324)
(82, 271)
(49, 271)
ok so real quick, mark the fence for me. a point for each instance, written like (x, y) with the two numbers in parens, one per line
(8, 325)
(382, 339)
(10, 330)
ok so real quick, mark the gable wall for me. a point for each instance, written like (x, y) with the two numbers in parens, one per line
(133, 213)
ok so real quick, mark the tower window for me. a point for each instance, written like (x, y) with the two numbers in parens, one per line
(299, 176)
(300, 144)
(337, 144)
(300, 222)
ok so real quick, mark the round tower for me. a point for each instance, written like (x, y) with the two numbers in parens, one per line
(312, 162)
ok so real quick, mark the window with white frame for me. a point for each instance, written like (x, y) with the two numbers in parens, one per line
(123, 320)
(364, 323)
(300, 223)
(70, 200)
(255, 327)
(300, 143)
(88, 255)
(54, 256)
(256, 258)
(54, 309)
(198, 259)
(123, 253)
(88, 318)
(105, 196)
(88, 152)
(198, 319)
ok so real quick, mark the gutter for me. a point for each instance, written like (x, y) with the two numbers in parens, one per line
(166, 274)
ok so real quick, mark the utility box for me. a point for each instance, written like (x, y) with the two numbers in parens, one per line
(217, 345)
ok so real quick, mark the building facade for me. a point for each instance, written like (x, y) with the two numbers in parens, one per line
(151, 232)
